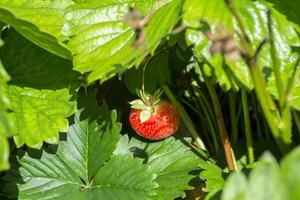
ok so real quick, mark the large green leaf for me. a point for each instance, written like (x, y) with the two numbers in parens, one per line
(267, 180)
(40, 90)
(82, 165)
(101, 41)
(286, 73)
(170, 159)
(253, 14)
(39, 21)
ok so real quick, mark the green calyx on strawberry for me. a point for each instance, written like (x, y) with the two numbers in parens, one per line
(152, 118)
(146, 104)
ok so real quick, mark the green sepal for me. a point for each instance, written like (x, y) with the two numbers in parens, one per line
(145, 115)
(137, 104)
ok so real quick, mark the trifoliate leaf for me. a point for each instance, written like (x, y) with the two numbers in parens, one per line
(40, 21)
(82, 166)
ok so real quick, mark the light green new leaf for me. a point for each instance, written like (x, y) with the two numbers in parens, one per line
(40, 90)
(266, 171)
(82, 165)
(40, 21)
(267, 180)
(290, 173)
(101, 40)
(236, 187)
(170, 159)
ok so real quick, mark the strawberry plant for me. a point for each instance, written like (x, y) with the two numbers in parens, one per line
(149, 99)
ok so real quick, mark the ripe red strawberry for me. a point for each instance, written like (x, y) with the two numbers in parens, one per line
(154, 120)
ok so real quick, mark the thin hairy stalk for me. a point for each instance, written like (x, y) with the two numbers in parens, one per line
(209, 119)
(233, 117)
(185, 117)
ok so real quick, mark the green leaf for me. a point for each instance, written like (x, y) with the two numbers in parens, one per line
(40, 21)
(286, 74)
(82, 165)
(236, 187)
(40, 90)
(156, 74)
(288, 8)
(34, 67)
(170, 159)
(40, 114)
(267, 180)
(290, 173)
(267, 171)
(216, 14)
(101, 41)
(212, 174)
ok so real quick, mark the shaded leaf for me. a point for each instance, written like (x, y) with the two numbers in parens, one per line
(170, 159)
(40, 21)
(40, 90)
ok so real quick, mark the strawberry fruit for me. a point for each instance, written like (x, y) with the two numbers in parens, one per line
(152, 118)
